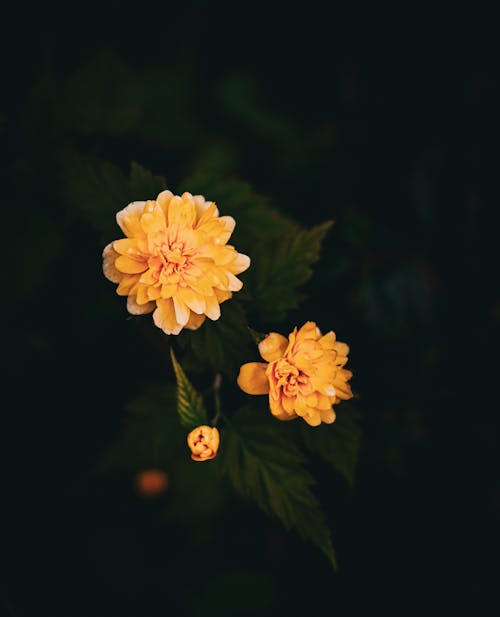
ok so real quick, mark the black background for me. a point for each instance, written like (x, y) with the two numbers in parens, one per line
(383, 121)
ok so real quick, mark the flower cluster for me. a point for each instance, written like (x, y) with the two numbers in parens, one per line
(175, 260)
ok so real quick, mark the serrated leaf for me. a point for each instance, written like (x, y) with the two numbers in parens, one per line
(280, 268)
(223, 345)
(266, 467)
(282, 254)
(338, 443)
(190, 407)
(256, 217)
(151, 434)
(99, 189)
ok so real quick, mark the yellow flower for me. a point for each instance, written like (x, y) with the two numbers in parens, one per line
(203, 443)
(303, 375)
(175, 260)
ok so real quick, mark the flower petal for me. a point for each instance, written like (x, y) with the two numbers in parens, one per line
(167, 291)
(322, 402)
(312, 417)
(164, 317)
(222, 295)
(234, 283)
(181, 211)
(212, 310)
(139, 309)
(327, 341)
(229, 223)
(181, 310)
(109, 256)
(142, 296)
(275, 406)
(328, 416)
(129, 219)
(341, 348)
(196, 302)
(309, 331)
(342, 390)
(128, 284)
(288, 404)
(240, 264)
(273, 347)
(154, 292)
(126, 246)
(205, 210)
(194, 321)
(252, 378)
(153, 220)
(163, 200)
(127, 265)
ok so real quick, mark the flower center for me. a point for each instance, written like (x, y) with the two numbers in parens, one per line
(174, 257)
(200, 438)
(289, 377)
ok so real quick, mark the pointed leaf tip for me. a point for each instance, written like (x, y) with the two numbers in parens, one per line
(190, 406)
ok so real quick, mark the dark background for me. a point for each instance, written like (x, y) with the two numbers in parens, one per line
(385, 123)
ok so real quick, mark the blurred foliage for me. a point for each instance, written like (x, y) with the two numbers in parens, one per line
(151, 434)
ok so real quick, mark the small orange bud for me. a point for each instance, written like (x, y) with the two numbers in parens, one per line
(203, 443)
(151, 482)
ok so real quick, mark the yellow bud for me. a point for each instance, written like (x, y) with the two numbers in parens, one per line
(203, 443)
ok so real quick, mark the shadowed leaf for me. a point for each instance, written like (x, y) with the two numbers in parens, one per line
(266, 467)
(99, 189)
(255, 216)
(223, 345)
(281, 267)
(150, 435)
(338, 443)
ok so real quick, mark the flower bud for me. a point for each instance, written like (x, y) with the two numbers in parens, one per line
(203, 443)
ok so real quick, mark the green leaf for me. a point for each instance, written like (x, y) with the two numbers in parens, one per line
(265, 466)
(281, 267)
(256, 217)
(338, 443)
(257, 337)
(98, 189)
(151, 434)
(189, 402)
(282, 253)
(223, 345)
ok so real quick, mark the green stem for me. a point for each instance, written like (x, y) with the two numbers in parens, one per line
(217, 401)
(218, 411)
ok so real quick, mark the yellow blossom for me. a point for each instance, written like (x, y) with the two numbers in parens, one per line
(174, 260)
(303, 375)
(203, 443)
